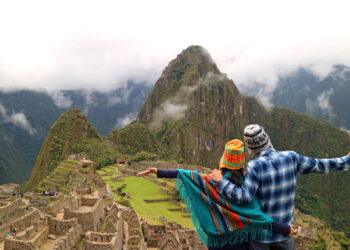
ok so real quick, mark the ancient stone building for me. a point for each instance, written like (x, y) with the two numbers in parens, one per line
(9, 189)
(102, 241)
(169, 242)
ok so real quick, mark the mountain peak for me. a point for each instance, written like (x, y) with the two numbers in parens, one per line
(72, 127)
(194, 56)
(191, 70)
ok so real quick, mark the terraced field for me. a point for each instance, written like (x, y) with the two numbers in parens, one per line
(63, 178)
(140, 189)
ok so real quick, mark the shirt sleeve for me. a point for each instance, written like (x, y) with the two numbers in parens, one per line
(307, 165)
(167, 173)
(281, 228)
(247, 191)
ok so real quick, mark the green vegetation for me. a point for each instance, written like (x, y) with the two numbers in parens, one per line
(143, 156)
(97, 150)
(71, 128)
(319, 245)
(138, 189)
(132, 139)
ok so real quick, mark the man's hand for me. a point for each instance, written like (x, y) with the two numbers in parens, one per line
(293, 230)
(348, 154)
(216, 175)
(149, 171)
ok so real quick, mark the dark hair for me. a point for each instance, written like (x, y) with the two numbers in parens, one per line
(236, 176)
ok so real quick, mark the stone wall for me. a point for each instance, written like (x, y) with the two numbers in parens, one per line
(10, 209)
(70, 239)
(20, 223)
(32, 244)
(169, 242)
(128, 172)
(61, 227)
(101, 241)
(58, 205)
(9, 189)
(157, 200)
(88, 201)
(89, 220)
(135, 240)
(83, 189)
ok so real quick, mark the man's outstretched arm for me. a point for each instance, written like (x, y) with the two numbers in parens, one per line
(243, 194)
(307, 165)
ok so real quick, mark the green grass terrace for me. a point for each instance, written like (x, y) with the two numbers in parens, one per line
(140, 189)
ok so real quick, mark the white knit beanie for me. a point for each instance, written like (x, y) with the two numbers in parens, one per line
(256, 140)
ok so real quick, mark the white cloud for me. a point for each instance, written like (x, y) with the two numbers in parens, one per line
(19, 119)
(322, 104)
(60, 99)
(209, 78)
(168, 111)
(346, 130)
(99, 46)
(125, 120)
(120, 97)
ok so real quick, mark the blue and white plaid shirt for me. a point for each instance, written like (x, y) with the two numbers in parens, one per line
(273, 177)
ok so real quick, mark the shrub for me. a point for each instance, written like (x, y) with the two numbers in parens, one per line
(143, 156)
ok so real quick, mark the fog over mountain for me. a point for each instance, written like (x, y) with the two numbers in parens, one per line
(93, 46)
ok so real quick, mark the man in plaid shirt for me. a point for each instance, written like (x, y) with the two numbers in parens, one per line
(272, 176)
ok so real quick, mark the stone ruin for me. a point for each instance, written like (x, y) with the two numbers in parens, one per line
(121, 160)
(101, 241)
(169, 242)
(9, 189)
(87, 219)
(135, 239)
(83, 189)
(83, 218)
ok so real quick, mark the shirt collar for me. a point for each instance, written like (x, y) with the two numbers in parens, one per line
(267, 151)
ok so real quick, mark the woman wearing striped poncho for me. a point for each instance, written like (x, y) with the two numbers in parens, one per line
(220, 222)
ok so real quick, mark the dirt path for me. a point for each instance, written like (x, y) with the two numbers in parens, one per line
(49, 244)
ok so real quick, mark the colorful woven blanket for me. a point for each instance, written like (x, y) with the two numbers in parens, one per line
(219, 220)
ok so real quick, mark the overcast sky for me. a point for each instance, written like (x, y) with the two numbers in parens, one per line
(98, 45)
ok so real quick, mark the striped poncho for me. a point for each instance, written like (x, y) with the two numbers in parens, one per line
(218, 220)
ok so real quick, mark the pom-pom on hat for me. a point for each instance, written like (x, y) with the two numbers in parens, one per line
(233, 156)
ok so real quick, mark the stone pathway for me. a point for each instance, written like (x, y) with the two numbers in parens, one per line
(49, 244)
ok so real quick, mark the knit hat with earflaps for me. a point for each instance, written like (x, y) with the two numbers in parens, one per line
(233, 156)
(256, 139)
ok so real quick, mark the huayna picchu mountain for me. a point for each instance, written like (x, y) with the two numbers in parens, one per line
(194, 109)
(71, 128)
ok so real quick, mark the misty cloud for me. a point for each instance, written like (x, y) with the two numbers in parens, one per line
(60, 99)
(121, 97)
(103, 52)
(209, 78)
(175, 107)
(322, 104)
(125, 120)
(18, 119)
(168, 111)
